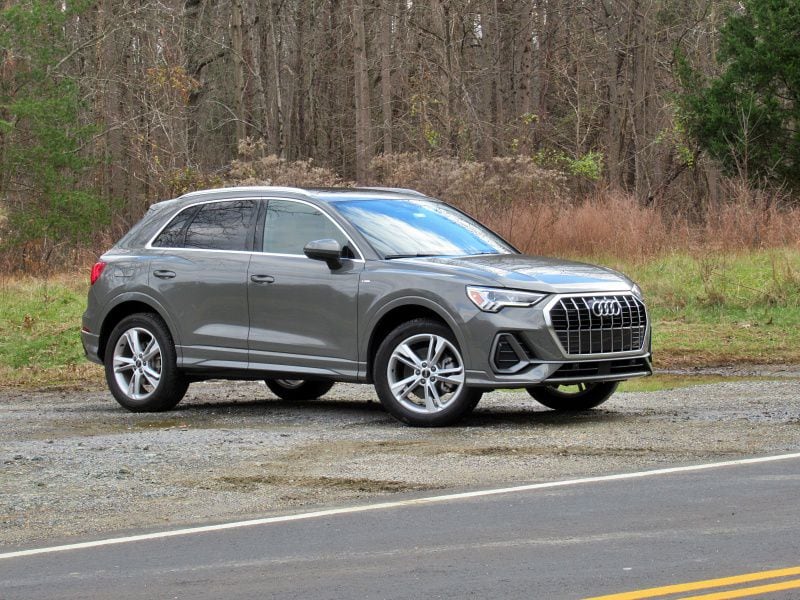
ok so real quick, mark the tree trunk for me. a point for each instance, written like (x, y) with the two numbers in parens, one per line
(387, 20)
(615, 98)
(362, 128)
(261, 110)
(237, 44)
(277, 138)
(525, 104)
(640, 104)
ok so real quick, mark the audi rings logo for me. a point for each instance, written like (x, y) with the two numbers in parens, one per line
(606, 308)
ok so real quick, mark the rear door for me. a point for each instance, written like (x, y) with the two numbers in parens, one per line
(303, 314)
(199, 274)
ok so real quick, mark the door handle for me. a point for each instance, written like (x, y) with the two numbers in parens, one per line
(262, 278)
(163, 274)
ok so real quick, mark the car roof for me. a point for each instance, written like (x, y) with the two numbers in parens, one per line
(320, 194)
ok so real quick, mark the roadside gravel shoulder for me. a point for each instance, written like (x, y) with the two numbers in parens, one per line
(75, 463)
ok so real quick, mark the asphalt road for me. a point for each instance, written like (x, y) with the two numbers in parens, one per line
(570, 541)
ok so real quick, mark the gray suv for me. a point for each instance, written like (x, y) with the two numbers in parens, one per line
(305, 287)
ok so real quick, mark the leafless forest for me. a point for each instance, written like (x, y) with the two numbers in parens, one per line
(501, 106)
(178, 85)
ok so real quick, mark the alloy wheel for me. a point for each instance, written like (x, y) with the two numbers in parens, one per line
(137, 363)
(425, 373)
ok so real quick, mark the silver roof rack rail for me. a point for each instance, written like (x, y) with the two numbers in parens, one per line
(398, 190)
(247, 188)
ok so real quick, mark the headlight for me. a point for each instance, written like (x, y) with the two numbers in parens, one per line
(637, 291)
(494, 299)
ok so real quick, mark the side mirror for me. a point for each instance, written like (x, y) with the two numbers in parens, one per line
(328, 250)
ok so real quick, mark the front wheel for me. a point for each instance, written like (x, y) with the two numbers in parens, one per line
(140, 365)
(580, 396)
(420, 377)
(298, 389)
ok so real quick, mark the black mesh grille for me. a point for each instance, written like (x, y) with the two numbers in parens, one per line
(504, 355)
(509, 352)
(599, 324)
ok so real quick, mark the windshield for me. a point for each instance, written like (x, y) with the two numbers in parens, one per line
(404, 228)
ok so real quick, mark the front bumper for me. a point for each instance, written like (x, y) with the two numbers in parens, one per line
(518, 347)
(564, 373)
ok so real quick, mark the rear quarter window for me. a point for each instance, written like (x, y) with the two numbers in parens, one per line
(212, 226)
(172, 236)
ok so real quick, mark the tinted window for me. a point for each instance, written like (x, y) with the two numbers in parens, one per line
(399, 228)
(291, 225)
(172, 235)
(222, 226)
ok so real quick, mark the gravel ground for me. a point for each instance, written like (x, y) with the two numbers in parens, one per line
(74, 463)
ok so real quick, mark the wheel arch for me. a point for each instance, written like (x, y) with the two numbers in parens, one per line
(124, 308)
(398, 313)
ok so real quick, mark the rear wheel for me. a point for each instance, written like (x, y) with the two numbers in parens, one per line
(576, 397)
(298, 389)
(420, 375)
(140, 365)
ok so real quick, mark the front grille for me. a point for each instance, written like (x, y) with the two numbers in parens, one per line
(582, 330)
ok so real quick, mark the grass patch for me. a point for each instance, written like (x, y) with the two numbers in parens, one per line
(40, 322)
(710, 309)
(663, 382)
(715, 309)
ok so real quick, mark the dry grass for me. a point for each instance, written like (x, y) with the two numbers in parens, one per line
(610, 224)
(73, 376)
(538, 210)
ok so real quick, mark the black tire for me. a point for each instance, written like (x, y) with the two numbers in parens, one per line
(133, 383)
(585, 397)
(428, 399)
(298, 389)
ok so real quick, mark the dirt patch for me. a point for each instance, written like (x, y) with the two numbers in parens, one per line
(251, 483)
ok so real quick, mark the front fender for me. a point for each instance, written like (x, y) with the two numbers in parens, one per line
(428, 301)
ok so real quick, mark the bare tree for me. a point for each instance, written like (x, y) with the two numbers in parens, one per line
(363, 132)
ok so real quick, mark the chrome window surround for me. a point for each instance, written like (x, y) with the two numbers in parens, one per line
(149, 244)
(599, 356)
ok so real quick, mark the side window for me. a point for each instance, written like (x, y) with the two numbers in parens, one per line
(222, 226)
(172, 235)
(291, 225)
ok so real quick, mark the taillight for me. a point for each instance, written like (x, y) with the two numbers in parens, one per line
(97, 270)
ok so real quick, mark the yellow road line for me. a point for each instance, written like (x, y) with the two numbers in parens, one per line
(704, 585)
(751, 591)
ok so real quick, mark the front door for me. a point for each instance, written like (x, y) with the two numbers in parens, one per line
(303, 314)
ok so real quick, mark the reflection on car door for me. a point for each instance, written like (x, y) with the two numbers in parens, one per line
(303, 314)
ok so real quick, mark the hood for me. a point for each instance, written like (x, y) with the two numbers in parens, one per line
(535, 273)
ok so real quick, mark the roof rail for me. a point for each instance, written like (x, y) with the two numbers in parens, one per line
(398, 190)
(244, 188)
